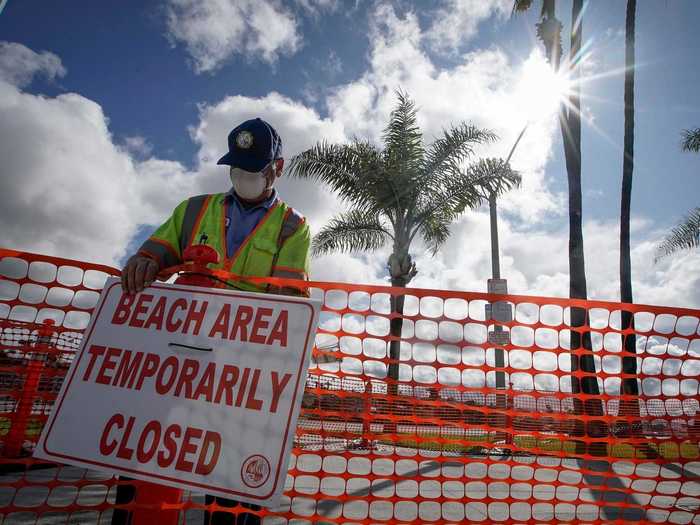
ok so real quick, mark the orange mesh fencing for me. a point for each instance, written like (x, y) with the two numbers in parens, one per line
(574, 411)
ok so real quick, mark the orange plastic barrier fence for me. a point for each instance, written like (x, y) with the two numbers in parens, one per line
(574, 411)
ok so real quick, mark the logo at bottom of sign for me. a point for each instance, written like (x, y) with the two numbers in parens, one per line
(255, 471)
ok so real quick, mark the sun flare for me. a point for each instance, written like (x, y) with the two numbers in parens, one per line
(540, 88)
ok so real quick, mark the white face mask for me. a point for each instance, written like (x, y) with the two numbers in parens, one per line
(249, 185)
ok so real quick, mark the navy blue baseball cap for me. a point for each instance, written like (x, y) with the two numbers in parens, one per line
(252, 145)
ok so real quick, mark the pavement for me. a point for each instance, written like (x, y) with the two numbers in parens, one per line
(472, 488)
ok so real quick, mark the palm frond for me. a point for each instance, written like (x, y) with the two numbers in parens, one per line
(493, 175)
(403, 140)
(468, 190)
(435, 231)
(344, 168)
(418, 184)
(685, 236)
(403, 154)
(548, 28)
(455, 146)
(549, 33)
(447, 155)
(404, 189)
(352, 231)
(520, 6)
(691, 140)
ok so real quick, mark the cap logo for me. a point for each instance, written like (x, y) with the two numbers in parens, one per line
(244, 139)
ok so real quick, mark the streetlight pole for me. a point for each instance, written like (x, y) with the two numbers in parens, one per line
(496, 268)
(498, 285)
(495, 258)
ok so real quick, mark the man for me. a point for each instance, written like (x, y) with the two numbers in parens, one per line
(254, 232)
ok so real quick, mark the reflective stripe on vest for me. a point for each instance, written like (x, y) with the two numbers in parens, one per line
(190, 222)
(290, 224)
(160, 250)
(257, 255)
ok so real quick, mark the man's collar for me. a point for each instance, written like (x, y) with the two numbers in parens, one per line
(267, 203)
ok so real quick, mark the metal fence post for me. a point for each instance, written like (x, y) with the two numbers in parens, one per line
(36, 362)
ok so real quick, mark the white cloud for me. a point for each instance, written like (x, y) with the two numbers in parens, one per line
(19, 64)
(68, 189)
(215, 30)
(353, 268)
(138, 146)
(109, 192)
(535, 262)
(485, 88)
(300, 128)
(477, 90)
(65, 188)
(78, 194)
(315, 7)
(490, 91)
(333, 65)
(457, 21)
(615, 33)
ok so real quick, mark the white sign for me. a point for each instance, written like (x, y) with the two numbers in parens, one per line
(499, 337)
(189, 387)
(497, 286)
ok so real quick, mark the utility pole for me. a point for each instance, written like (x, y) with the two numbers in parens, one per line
(500, 311)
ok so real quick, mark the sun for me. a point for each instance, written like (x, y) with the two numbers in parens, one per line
(540, 89)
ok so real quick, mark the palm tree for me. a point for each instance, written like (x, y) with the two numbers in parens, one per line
(549, 33)
(548, 29)
(691, 140)
(400, 192)
(629, 362)
(686, 235)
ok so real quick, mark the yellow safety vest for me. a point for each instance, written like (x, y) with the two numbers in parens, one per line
(277, 247)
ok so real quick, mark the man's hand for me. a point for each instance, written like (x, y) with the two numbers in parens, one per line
(138, 272)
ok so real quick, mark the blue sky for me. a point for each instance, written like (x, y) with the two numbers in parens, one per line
(169, 85)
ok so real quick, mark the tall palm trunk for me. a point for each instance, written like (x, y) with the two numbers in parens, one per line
(552, 40)
(395, 328)
(549, 31)
(570, 125)
(629, 362)
(401, 269)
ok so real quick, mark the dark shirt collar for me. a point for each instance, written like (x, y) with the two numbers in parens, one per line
(267, 204)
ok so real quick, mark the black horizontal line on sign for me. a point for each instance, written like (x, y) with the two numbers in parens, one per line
(190, 347)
